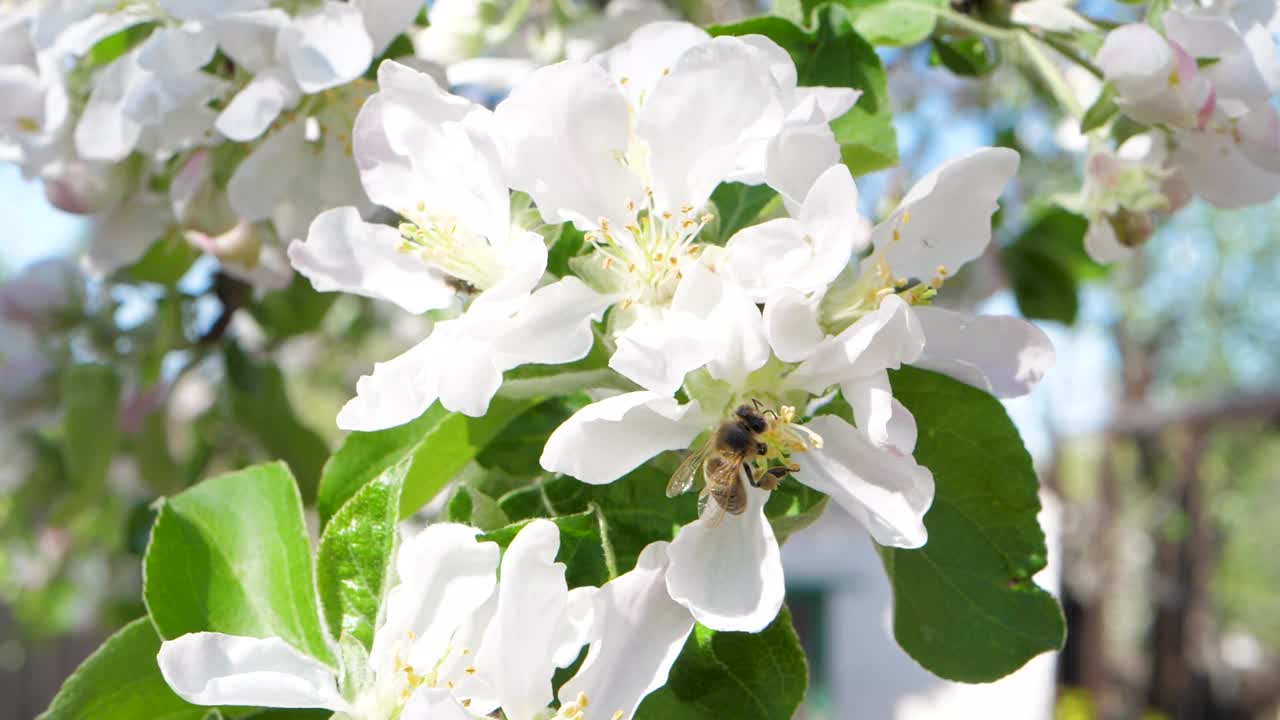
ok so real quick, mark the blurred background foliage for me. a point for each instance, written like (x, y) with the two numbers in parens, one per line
(1159, 430)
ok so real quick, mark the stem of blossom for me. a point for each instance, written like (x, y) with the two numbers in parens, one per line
(610, 559)
(968, 23)
(1057, 84)
(510, 21)
(1070, 53)
(1008, 33)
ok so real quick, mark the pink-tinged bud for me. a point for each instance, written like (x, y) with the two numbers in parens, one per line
(1205, 113)
(83, 188)
(238, 246)
(1104, 168)
(1132, 228)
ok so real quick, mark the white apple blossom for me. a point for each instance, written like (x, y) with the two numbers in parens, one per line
(430, 156)
(264, 187)
(34, 115)
(1211, 86)
(629, 146)
(729, 573)
(823, 325)
(456, 643)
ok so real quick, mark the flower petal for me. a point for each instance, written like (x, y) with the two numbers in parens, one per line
(208, 668)
(806, 253)
(717, 100)
(424, 152)
(657, 354)
(579, 627)
(255, 107)
(1003, 355)
(173, 50)
(326, 47)
(385, 19)
(638, 63)
(791, 324)
(428, 703)
(553, 325)
(1219, 170)
(1259, 131)
(518, 654)
(641, 629)
(105, 131)
(886, 422)
(396, 392)
(445, 575)
(881, 340)
(466, 374)
(342, 253)
(564, 129)
(1137, 60)
(608, 439)
(122, 237)
(945, 219)
(1102, 244)
(729, 576)
(733, 325)
(886, 492)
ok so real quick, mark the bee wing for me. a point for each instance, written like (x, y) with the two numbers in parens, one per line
(711, 512)
(682, 479)
(724, 485)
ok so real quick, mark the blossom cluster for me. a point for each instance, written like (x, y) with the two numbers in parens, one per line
(1205, 82)
(628, 147)
(455, 642)
(194, 122)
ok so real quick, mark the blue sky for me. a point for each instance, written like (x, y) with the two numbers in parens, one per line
(32, 229)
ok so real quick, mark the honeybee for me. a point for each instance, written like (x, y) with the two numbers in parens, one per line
(726, 460)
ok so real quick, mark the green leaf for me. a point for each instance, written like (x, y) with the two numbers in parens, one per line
(91, 398)
(518, 448)
(295, 310)
(793, 507)
(260, 402)
(231, 555)
(121, 681)
(164, 263)
(867, 139)
(539, 381)
(744, 676)
(965, 606)
(441, 443)
(1102, 110)
(355, 553)
(116, 44)
(1046, 264)
(1126, 127)
(635, 508)
(739, 205)
(835, 55)
(470, 506)
(567, 245)
(581, 549)
(894, 22)
(967, 56)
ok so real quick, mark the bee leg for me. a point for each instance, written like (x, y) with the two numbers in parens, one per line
(762, 449)
(774, 475)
